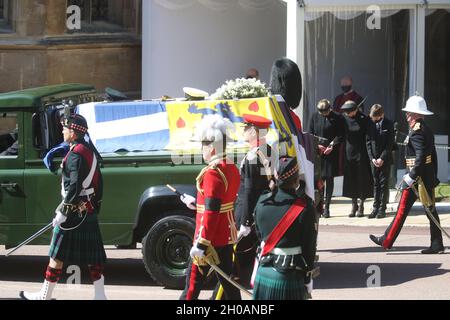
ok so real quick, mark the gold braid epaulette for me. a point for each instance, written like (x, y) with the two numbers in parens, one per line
(211, 166)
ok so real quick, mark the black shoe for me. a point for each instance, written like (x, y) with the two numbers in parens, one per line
(352, 215)
(381, 215)
(326, 213)
(360, 214)
(376, 239)
(432, 250)
(373, 214)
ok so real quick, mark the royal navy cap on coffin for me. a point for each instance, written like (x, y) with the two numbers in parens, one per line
(194, 94)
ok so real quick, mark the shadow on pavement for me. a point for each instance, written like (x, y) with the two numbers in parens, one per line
(130, 272)
(340, 275)
(374, 248)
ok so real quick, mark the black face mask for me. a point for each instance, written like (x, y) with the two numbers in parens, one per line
(346, 89)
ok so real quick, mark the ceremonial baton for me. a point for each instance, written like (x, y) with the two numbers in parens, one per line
(428, 212)
(34, 236)
(228, 278)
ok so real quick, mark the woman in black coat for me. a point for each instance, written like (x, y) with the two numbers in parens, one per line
(328, 126)
(358, 181)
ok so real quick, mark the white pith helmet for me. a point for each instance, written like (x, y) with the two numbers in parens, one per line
(417, 104)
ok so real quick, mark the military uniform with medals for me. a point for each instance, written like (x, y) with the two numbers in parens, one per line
(215, 231)
(421, 161)
(256, 175)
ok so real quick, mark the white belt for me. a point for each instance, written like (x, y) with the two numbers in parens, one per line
(87, 192)
(286, 251)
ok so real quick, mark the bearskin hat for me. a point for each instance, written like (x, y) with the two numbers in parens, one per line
(286, 80)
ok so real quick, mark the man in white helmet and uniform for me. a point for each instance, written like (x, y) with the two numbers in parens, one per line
(421, 161)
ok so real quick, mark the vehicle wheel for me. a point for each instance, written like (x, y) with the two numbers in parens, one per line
(165, 250)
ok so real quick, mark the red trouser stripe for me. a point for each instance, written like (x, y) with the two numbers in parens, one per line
(387, 243)
(192, 281)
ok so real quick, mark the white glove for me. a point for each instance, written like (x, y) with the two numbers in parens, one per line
(408, 180)
(243, 231)
(189, 201)
(309, 286)
(196, 252)
(59, 219)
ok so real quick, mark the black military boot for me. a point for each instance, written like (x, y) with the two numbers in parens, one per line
(432, 250)
(381, 214)
(354, 208)
(382, 211)
(376, 239)
(360, 213)
(436, 247)
(373, 214)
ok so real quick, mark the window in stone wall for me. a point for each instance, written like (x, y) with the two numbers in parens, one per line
(5, 16)
(108, 15)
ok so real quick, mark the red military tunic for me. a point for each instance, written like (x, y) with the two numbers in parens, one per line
(217, 186)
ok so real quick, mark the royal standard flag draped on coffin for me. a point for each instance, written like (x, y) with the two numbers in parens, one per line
(169, 126)
(184, 115)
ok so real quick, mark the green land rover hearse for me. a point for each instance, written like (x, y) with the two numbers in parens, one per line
(137, 165)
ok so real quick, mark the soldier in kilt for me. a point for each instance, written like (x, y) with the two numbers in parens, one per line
(286, 257)
(76, 235)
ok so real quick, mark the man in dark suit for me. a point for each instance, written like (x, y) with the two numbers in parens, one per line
(380, 141)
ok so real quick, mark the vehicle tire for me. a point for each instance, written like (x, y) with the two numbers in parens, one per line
(165, 250)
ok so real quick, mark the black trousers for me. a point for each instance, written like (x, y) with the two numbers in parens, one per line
(195, 279)
(406, 202)
(381, 186)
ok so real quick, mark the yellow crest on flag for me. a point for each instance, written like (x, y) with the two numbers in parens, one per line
(184, 115)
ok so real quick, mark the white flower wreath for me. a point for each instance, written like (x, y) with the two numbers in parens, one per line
(241, 88)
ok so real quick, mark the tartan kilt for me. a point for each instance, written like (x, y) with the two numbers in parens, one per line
(81, 246)
(271, 284)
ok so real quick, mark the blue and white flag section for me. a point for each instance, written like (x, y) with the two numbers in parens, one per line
(127, 126)
(158, 125)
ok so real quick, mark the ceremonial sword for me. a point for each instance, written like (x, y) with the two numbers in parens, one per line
(34, 236)
(428, 211)
(174, 190)
(228, 278)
